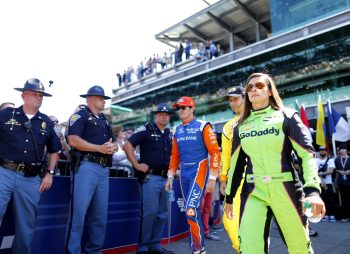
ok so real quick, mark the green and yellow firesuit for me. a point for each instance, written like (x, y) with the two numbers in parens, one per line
(263, 143)
(231, 226)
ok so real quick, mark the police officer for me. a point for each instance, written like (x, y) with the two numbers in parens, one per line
(24, 134)
(154, 140)
(90, 136)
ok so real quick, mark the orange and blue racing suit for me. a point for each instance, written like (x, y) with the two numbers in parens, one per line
(191, 145)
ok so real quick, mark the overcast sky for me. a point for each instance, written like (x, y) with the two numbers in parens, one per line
(79, 43)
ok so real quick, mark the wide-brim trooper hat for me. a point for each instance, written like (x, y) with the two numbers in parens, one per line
(95, 91)
(162, 107)
(34, 85)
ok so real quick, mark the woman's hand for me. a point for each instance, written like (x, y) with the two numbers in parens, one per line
(317, 206)
(229, 211)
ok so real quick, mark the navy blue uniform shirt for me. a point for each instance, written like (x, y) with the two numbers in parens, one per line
(93, 129)
(155, 146)
(16, 141)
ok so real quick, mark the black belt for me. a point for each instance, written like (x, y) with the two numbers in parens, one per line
(157, 172)
(32, 169)
(103, 161)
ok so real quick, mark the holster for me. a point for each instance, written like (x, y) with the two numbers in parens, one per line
(33, 169)
(75, 158)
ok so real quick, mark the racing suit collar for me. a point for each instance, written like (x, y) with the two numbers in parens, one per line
(187, 123)
(260, 112)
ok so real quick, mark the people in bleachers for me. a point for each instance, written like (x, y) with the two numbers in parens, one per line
(212, 49)
(188, 49)
(180, 52)
(119, 77)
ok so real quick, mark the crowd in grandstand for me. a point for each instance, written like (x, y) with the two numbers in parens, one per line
(288, 68)
(157, 63)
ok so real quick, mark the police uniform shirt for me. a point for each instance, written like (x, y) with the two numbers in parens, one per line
(95, 130)
(16, 141)
(155, 146)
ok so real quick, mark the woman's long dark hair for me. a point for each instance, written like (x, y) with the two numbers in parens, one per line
(274, 101)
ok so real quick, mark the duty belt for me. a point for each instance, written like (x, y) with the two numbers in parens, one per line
(158, 172)
(103, 161)
(20, 167)
(272, 178)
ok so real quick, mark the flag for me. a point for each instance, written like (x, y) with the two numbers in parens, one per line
(320, 127)
(338, 127)
(303, 117)
(305, 121)
(296, 105)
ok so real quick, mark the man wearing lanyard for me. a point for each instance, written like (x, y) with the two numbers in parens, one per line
(24, 134)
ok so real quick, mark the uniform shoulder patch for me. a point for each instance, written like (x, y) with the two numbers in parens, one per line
(73, 119)
(141, 128)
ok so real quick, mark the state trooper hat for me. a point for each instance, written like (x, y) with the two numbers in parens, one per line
(34, 85)
(95, 91)
(235, 91)
(162, 107)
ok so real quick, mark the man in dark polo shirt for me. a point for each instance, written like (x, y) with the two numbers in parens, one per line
(155, 141)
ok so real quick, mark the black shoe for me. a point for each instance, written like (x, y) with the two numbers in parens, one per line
(312, 233)
(162, 251)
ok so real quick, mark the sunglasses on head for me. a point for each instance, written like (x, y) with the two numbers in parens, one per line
(182, 107)
(258, 85)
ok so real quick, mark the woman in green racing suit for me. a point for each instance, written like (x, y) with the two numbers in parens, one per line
(263, 141)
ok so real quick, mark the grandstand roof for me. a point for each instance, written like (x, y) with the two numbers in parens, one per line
(232, 23)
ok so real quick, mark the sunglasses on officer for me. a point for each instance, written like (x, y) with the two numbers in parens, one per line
(258, 85)
(182, 107)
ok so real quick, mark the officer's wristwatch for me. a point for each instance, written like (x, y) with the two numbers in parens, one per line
(51, 171)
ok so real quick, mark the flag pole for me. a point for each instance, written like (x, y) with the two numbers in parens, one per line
(334, 149)
(333, 139)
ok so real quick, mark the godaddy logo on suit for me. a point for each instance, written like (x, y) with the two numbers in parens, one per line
(253, 133)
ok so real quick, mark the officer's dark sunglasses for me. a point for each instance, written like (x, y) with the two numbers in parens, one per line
(182, 107)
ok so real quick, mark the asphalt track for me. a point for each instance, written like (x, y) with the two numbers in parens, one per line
(333, 238)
